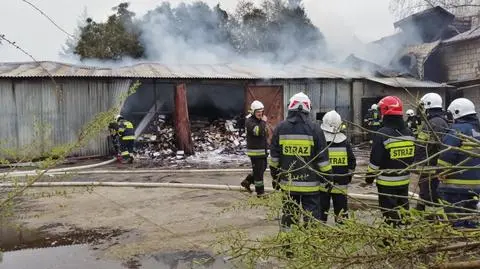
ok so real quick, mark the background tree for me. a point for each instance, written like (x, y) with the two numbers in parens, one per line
(277, 30)
(116, 38)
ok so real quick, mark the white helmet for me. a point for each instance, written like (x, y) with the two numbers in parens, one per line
(410, 113)
(331, 126)
(118, 117)
(374, 106)
(331, 122)
(256, 105)
(461, 107)
(431, 100)
(300, 102)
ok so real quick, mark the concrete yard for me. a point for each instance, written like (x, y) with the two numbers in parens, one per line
(144, 222)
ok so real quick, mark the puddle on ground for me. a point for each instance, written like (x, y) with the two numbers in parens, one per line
(75, 248)
(81, 256)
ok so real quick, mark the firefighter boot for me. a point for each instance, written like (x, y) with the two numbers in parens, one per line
(247, 182)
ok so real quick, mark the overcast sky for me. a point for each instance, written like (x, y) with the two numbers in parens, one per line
(339, 20)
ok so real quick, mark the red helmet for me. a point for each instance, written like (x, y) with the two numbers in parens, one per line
(391, 105)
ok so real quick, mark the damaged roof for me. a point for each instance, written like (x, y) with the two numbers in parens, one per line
(421, 53)
(468, 35)
(198, 71)
(157, 70)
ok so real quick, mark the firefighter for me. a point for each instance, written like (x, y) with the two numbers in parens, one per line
(393, 150)
(433, 129)
(127, 138)
(343, 164)
(373, 120)
(299, 162)
(461, 187)
(256, 126)
(413, 121)
(114, 138)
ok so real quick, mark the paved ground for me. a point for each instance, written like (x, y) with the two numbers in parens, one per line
(155, 220)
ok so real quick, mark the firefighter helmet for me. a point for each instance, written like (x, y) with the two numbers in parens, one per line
(410, 113)
(374, 106)
(256, 105)
(391, 105)
(331, 122)
(461, 107)
(299, 102)
(431, 100)
(331, 126)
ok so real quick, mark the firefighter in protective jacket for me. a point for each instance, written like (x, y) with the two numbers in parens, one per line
(343, 164)
(393, 150)
(299, 161)
(429, 132)
(461, 186)
(256, 126)
(127, 138)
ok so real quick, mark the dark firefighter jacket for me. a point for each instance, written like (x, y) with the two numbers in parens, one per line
(343, 164)
(393, 149)
(463, 180)
(373, 117)
(298, 155)
(125, 130)
(437, 127)
(413, 122)
(256, 137)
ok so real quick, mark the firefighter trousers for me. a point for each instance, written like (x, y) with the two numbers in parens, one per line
(428, 185)
(292, 206)
(459, 200)
(126, 148)
(390, 200)
(340, 205)
(259, 165)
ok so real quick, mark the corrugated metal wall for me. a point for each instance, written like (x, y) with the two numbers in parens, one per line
(326, 94)
(27, 104)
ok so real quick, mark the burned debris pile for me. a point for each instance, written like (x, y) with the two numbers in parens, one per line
(220, 136)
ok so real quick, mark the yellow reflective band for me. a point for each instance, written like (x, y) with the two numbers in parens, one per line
(256, 130)
(128, 137)
(128, 125)
(121, 130)
(300, 188)
(402, 152)
(423, 136)
(462, 181)
(325, 168)
(397, 144)
(443, 163)
(258, 183)
(296, 147)
(255, 152)
(393, 183)
(124, 153)
(273, 163)
(370, 169)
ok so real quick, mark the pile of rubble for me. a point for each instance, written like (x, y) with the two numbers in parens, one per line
(221, 136)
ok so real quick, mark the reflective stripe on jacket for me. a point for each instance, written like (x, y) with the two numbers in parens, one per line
(299, 155)
(256, 137)
(126, 130)
(461, 178)
(393, 150)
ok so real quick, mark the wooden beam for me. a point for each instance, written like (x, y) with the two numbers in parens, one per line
(183, 137)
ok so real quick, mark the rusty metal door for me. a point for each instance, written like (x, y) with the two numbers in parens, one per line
(272, 99)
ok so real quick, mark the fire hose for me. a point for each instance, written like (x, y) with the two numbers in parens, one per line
(74, 170)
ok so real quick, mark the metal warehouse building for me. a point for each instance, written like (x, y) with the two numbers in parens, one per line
(65, 97)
